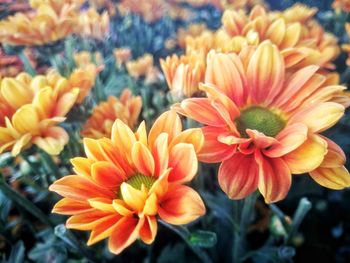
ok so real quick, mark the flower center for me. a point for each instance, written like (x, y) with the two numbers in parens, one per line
(137, 181)
(260, 119)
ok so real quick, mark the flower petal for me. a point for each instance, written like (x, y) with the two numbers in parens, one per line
(184, 164)
(288, 139)
(239, 176)
(169, 122)
(319, 117)
(201, 110)
(67, 206)
(107, 175)
(134, 198)
(104, 228)
(213, 150)
(193, 136)
(274, 178)
(308, 156)
(87, 221)
(149, 229)
(142, 159)
(124, 234)
(181, 205)
(79, 188)
(123, 138)
(336, 178)
(102, 204)
(160, 154)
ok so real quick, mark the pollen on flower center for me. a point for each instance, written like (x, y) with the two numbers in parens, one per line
(260, 119)
(137, 180)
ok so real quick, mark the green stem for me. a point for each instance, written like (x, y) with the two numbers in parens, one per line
(185, 234)
(26, 63)
(23, 202)
(299, 215)
(246, 211)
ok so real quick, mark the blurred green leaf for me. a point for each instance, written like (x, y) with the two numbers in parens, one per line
(205, 239)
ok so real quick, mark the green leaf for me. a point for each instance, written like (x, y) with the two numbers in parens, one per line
(205, 239)
(17, 253)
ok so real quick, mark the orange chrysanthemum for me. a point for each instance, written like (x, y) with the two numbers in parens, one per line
(264, 125)
(121, 55)
(31, 109)
(92, 25)
(343, 5)
(127, 108)
(184, 74)
(127, 181)
(141, 66)
(84, 59)
(39, 27)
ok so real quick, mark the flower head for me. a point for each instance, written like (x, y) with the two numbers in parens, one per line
(121, 55)
(38, 27)
(31, 108)
(184, 74)
(126, 181)
(264, 125)
(343, 5)
(140, 67)
(84, 59)
(127, 108)
(92, 25)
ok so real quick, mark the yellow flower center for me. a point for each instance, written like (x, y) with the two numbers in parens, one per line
(260, 119)
(137, 180)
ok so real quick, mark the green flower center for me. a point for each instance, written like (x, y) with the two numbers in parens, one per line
(260, 119)
(137, 180)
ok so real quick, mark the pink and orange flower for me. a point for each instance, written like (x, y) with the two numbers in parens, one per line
(127, 108)
(130, 179)
(264, 125)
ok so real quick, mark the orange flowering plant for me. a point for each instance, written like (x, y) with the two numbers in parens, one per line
(264, 125)
(129, 179)
(173, 130)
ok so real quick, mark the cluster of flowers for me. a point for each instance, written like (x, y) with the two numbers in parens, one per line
(261, 86)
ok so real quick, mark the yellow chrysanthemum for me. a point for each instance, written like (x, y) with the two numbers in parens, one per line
(126, 108)
(31, 109)
(39, 27)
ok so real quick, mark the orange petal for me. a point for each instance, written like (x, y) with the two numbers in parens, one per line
(123, 138)
(265, 73)
(121, 207)
(160, 187)
(82, 166)
(143, 159)
(319, 117)
(78, 188)
(93, 150)
(21, 143)
(107, 175)
(104, 228)
(225, 72)
(160, 154)
(125, 234)
(308, 156)
(193, 136)
(260, 140)
(336, 178)
(67, 206)
(169, 122)
(289, 139)
(141, 133)
(184, 164)
(134, 198)
(102, 204)
(335, 156)
(66, 102)
(151, 205)
(26, 119)
(181, 205)
(239, 176)
(87, 221)
(274, 178)
(201, 110)
(214, 151)
(149, 229)
(215, 94)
